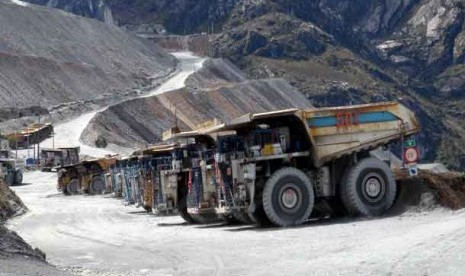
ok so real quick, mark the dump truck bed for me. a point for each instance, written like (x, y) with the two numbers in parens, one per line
(338, 131)
(343, 130)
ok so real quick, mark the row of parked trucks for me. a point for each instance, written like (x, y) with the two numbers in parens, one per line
(278, 168)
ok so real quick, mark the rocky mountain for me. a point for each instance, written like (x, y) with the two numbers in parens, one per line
(49, 58)
(335, 51)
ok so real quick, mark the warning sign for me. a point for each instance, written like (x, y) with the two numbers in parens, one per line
(411, 155)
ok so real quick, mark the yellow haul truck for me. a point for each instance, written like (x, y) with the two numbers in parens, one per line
(87, 176)
(278, 165)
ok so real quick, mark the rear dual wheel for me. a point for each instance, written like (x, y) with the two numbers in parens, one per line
(368, 188)
(73, 187)
(96, 186)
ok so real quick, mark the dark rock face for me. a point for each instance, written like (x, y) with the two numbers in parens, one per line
(178, 16)
(416, 36)
(271, 36)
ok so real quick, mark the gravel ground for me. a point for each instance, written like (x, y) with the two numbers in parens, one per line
(20, 265)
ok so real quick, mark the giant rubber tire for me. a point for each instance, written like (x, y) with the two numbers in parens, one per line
(351, 186)
(9, 179)
(18, 177)
(297, 181)
(182, 210)
(73, 187)
(96, 186)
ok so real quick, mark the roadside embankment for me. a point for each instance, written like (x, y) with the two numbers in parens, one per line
(17, 257)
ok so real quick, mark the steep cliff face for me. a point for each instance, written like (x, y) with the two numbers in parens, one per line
(152, 16)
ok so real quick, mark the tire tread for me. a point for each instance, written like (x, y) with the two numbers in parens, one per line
(349, 196)
(268, 191)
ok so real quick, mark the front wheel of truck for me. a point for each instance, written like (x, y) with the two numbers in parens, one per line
(368, 188)
(96, 186)
(288, 197)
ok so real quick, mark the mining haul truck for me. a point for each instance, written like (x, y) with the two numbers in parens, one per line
(278, 165)
(196, 171)
(87, 176)
(154, 164)
(167, 196)
(117, 176)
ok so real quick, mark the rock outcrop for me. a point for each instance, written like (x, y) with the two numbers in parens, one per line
(10, 243)
(17, 257)
(10, 204)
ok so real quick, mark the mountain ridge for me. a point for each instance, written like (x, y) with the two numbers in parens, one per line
(334, 51)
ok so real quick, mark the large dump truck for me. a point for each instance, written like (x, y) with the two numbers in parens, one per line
(195, 159)
(87, 176)
(115, 176)
(147, 165)
(168, 196)
(53, 159)
(278, 165)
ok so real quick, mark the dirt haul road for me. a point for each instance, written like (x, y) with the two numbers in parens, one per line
(69, 133)
(98, 235)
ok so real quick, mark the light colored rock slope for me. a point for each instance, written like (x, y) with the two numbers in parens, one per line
(48, 57)
(224, 95)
